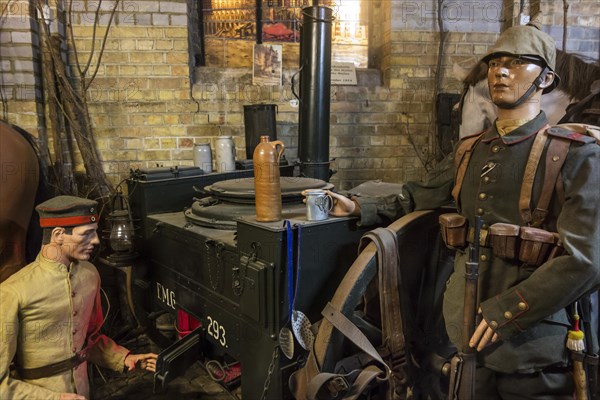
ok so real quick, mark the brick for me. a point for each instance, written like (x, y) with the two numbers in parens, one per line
(178, 20)
(164, 44)
(21, 37)
(144, 44)
(172, 7)
(176, 58)
(133, 144)
(160, 19)
(127, 44)
(151, 143)
(164, 70)
(147, 57)
(143, 19)
(171, 119)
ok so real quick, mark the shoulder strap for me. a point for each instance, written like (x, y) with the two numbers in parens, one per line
(461, 162)
(555, 158)
(529, 175)
(561, 137)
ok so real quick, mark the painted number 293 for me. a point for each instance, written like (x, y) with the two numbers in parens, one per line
(216, 330)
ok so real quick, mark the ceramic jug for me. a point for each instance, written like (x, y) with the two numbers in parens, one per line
(203, 157)
(267, 185)
(225, 150)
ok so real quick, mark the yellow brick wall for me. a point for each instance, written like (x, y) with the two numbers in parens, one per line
(146, 111)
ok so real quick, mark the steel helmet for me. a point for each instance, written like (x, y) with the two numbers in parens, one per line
(527, 40)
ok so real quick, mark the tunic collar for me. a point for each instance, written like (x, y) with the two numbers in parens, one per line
(523, 132)
(54, 265)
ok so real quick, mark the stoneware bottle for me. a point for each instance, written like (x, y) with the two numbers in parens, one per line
(225, 150)
(267, 186)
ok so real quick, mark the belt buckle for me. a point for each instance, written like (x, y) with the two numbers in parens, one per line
(337, 385)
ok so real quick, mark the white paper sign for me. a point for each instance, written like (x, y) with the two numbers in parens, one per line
(343, 73)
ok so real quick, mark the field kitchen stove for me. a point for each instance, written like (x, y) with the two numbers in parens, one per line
(207, 256)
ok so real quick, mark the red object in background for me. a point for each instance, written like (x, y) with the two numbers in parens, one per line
(186, 323)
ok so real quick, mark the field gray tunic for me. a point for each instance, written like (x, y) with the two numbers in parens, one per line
(527, 304)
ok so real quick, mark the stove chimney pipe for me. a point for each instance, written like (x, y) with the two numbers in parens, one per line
(315, 85)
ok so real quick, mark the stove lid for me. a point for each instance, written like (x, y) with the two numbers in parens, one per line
(234, 199)
(242, 190)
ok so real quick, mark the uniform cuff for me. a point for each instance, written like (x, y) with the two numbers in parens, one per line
(503, 311)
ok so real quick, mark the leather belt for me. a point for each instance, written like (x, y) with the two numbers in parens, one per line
(53, 369)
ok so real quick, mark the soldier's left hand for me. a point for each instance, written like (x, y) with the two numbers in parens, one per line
(146, 361)
(483, 335)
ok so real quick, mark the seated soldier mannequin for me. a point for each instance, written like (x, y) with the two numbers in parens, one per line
(51, 315)
(523, 330)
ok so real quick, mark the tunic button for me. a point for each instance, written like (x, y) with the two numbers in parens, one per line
(480, 211)
(483, 257)
(522, 306)
(486, 179)
(508, 315)
(74, 331)
(483, 196)
(496, 149)
(72, 294)
(493, 324)
(74, 313)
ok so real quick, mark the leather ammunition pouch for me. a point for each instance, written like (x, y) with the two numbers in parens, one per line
(454, 230)
(54, 368)
(532, 246)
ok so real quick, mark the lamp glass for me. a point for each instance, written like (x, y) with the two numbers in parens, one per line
(121, 232)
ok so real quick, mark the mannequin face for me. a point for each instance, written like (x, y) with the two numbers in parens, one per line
(79, 245)
(509, 78)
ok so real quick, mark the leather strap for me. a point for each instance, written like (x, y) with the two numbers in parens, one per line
(461, 162)
(555, 158)
(348, 329)
(529, 175)
(392, 325)
(53, 369)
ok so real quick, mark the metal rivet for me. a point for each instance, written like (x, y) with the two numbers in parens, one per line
(555, 158)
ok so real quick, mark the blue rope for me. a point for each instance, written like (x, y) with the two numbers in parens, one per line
(298, 245)
(290, 264)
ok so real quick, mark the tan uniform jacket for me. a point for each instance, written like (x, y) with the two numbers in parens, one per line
(47, 310)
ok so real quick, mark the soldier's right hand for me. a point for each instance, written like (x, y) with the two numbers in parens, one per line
(71, 396)
(343, 206)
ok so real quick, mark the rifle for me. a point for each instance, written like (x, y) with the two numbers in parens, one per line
(462, 380)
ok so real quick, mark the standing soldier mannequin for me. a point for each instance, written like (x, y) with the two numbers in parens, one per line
(51, 315)
(521, 338)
